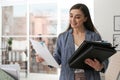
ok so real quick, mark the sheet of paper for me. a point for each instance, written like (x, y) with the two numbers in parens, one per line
(13, 69)
(43, 51)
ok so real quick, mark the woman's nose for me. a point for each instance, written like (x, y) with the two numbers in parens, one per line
(73, 19)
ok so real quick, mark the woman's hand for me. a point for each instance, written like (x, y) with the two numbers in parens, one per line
(39, 59)
(94, 64)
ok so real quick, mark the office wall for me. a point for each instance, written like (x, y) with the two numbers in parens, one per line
(104, 12)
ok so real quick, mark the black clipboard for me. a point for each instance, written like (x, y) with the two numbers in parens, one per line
(93, 50)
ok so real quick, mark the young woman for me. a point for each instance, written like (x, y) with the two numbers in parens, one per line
(80, 28)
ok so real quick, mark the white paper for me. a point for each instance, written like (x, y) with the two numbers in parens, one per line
(13, 69)
(43, 51)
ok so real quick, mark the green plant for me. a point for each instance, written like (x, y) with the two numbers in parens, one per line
(10, 41)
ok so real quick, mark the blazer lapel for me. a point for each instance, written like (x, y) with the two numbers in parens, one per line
(71, 42)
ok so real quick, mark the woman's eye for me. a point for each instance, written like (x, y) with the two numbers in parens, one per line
(78, 17)
(71, 16)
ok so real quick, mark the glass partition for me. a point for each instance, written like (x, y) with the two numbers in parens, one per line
(43, 19)
(14, 20)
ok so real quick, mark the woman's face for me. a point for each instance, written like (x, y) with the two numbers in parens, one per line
(77, 18)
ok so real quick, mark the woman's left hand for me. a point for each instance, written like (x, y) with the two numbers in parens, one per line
(94, 64)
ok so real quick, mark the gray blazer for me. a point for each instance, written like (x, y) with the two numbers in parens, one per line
(65, 48)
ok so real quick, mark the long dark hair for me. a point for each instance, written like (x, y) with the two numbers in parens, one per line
(88, 24)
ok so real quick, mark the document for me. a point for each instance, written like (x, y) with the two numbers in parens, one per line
(12, 70)
(5, 76)
(43, 52)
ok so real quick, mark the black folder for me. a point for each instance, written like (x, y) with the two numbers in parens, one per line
(93, 50)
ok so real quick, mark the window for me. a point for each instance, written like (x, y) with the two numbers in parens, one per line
(22, 20)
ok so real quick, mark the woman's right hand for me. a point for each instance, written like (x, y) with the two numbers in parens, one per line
(39, 59)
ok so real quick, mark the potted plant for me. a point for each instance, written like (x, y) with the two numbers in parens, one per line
(10, 43)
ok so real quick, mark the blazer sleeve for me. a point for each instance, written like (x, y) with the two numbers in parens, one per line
(105, 63)
(57, 53)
